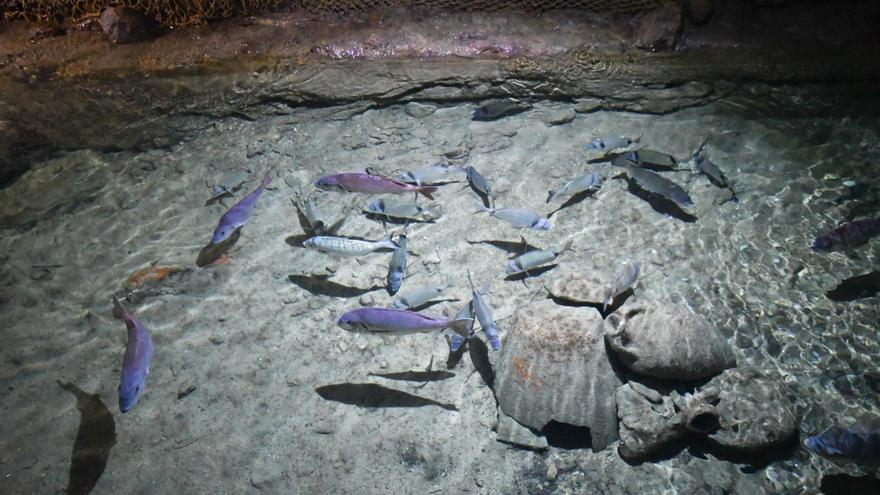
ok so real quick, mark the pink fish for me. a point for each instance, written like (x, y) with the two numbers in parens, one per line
(369, 183)
(238, 215)
(137, 358)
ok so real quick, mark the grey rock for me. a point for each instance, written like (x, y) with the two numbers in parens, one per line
(559, 117)
(659, 29)
(699, 11)
(554, 366)
(648, 421)
(509, 431)
(127, 25)
(418, 110)
(755, 411)
(587, 105)
(662, 340)
(574, 283)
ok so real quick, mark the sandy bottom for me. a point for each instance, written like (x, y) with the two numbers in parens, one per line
(255, 343)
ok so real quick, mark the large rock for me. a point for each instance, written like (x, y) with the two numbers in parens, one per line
(755, 412)
(659, 29)
(127, 25)
(661, 340)
(555, 367)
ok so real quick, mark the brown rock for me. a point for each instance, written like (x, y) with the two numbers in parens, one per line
(659, 29)
(127, 25)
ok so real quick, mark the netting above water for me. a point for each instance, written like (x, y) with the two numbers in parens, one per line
(179, 12)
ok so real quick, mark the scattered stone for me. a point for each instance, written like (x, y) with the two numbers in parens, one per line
(658, 29)
(755, 412)
(587, 105)
(558, 117)
(699, 11)
(552, 470)
(510, 431)
(418, 110)
(216, 339)
(574, 283)
(555, 367)
(662, 340)
(648, 421)
(127, 25)
(366, 300)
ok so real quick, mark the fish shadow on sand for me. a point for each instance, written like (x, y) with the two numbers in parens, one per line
(514, 248)
(659, 203)
(619, 301)
(372, 395)
(430, 303)
(573, 200)
(479, 354)
(213, 252)
(533, 272)
(858, 287)
(298, 240)
(320, 286)
(94, 439)
(416, 376)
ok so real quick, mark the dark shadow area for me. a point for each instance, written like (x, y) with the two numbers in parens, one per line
(495, 110)
(567, 436)
(430, 303)
(573, 200)
(532, 272)
(659, 203)
(858, 287)
(513, 248)
(751, 461)
(297, 240)
(619, 301)
(455, 356)
(320, 286)
(416, 376)
(94, 439)
(479, 354)
(844, 484)
(213, 252)
(372, 395)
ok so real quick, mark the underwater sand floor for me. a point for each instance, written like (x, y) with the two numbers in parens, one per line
(256, 345)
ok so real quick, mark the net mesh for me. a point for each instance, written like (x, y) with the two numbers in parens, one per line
(183, 12)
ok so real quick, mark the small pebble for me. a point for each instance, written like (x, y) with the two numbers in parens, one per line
(366, 300)
(552, 471)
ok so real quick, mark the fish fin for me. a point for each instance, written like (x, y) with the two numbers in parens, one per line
(481, 208)
(267, 179)
(607, 299)
(118, 310)
(460, 326)
(552, 195)
(427, 191)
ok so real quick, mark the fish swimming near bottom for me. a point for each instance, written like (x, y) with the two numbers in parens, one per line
(369, 183)
(623, 280)
(398, 322)
(136, 360)
(417, 297)
(534, 259)
(397, 266)
(850, 234)
(586, 182)
(646, 158)
(609, 143)
(430, 174)
(657, 184)
(345, 247)
(518, 218)
(466, 312)
(398, 209)
(240, 212)
(478, 182)
(497, 109)
(705, 166)
(484, 316)
(854, 442)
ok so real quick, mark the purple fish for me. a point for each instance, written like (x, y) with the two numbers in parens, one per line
(136, 361)
(369, 183)
(850, 234)
(238, 215)
(399, 322)
(855, 442)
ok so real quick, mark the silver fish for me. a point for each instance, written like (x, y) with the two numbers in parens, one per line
(417, 297)
(660, 185)
(709, 169)
(534, 259)
(518, 218)
(610, 143)
(227, 184)
(623, 280)
(397, 267)
(481, 310)
(405, 210)
(456, 340)
(429, 175)
(586, 182)
(344, 247)
(479, 182)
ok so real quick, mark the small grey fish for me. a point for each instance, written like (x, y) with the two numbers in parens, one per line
(479, 182)
(228, 183)
(610, 143)
(481, 310)
(623, 280)
(533, 259)
(518, 218)
(404, 210)
(586, 182)
(429, 175)
(397, 266)
(417, 297)
(709, 169)
(660, 185)
(651, 159)
(467, 312)
(345, 247)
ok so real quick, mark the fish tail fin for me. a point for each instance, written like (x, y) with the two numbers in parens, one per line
(118, 310)
(552, 195)
(568, 245)
(481, 208)
(608, 298)
(427, 191)
(267, 179)
(461, 326)
(388, 242)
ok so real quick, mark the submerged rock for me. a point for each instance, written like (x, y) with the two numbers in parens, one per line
(661, 340)
(578, 285)
(418, 110)
(127, 25)
(559, 117)
(555, 367)
(659, 29)
(755, 412)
